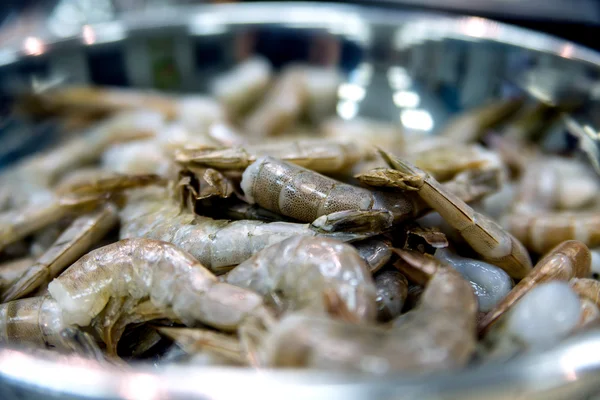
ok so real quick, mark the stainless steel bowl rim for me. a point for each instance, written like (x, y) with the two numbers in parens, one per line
(575, 361)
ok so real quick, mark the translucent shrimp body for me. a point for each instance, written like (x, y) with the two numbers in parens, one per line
(490, 283)
(36, 321)
(545, 315)
(305, 195)
(326, 156)
(438, 334)
(302, 269)
(140, 268)
(217, 244)
(540, 232)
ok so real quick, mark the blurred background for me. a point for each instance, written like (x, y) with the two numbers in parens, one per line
(576, 20)
(446, 76)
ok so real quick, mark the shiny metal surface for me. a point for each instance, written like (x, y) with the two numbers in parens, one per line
(414, 68)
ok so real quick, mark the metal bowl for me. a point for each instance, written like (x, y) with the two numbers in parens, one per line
(414, 68)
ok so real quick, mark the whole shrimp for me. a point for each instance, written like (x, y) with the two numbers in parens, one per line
(365, 132)
(326, 156)
(541, 231)
(69, 246)
(438, 334)
(306, 195)
(77, 198)
(487, 238)
(195, 111)
(239, 87)
(30, 181)
(218, 244)
(300, 271)
(144, 268)
(552, 183)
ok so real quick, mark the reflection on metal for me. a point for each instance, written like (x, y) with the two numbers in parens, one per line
(33, 46)
(348, 24)
(7, 56)
(352, 92)
(417, 119)
(406, 99)
(107, 32)
(88, 34)
(347, 109)
(479, 27)
(207, 24)
(398, 78)
(141, 387)
(68, 16)
(589, 140)
(567, 51)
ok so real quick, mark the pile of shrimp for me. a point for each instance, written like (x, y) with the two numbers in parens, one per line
(253, 228)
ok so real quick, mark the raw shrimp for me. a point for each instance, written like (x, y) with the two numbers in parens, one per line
(101, 100)
(280, 108)
(73, 243)
(375, 251)
(567, 260)
(392, 289)
(196, 112)
(438, 334)
(299, 271)
(487, 238)
(306, 195)
(140, 268)
(217, 244)
(541, 318)
(194, 340)
(469, 185)
(365, 132)
(587, 288)
(139, 157)
(590, 314)
(490, 283)
(36, 321)
(596, 262)
(11, 271)
(469, 126)
(29, 182)
(17, 224)
(444, 162)
(239, 88)
(324, 156)
(541, 231)
(555, 183)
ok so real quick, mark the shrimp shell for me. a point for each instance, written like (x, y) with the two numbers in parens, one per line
(217, 244)
(302, 269)
(438, 334)
(139, 268)
(306, 195)
(34, 321)
(540, 232)
(567, 260)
